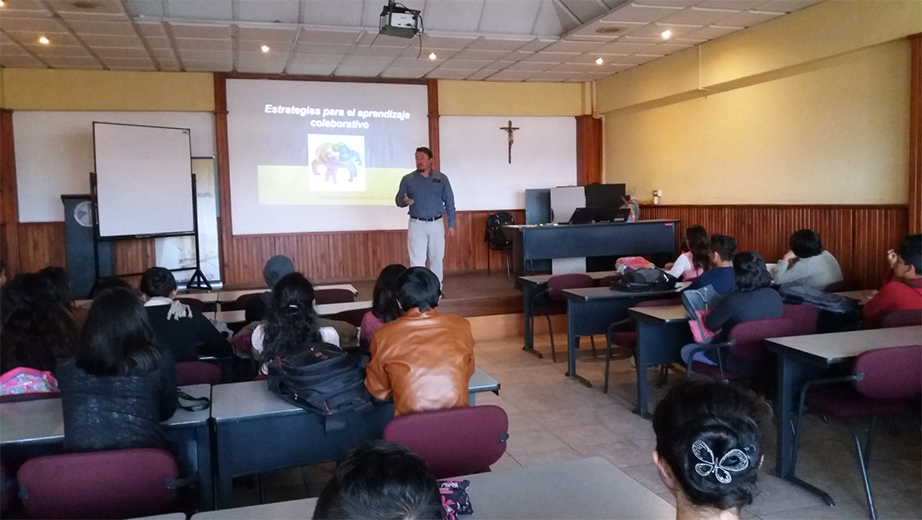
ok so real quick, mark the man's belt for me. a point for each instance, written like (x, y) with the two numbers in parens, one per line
(432, 219)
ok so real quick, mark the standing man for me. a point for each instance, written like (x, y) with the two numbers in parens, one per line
(428, 194)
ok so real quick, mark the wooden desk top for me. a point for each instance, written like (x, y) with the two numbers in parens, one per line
(603, 293)
(253, 399)
(231, 296)
(42, 421)
(841, 346)
(541, 279)
(664, 314)
(862, 296)
(325, 309)
(577, 489)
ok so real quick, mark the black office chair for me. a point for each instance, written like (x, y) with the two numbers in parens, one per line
(497, 238)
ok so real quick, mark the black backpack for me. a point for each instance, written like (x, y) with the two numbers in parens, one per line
(494, 236)
(324, 380)
(645, 280)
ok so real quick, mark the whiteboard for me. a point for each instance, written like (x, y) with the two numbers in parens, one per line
(54, 152)
(474, 155)
(143, 179)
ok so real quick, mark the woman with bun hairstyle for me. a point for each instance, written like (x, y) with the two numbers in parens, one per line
(708, 449)
(697, 257)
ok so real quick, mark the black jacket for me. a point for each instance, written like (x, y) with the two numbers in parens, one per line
(187, 337)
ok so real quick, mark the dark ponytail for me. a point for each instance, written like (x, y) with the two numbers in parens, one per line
(291, 322)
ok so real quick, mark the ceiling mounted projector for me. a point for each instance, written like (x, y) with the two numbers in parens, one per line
(397, 20)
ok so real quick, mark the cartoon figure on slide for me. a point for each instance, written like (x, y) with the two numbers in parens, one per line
(332, 157)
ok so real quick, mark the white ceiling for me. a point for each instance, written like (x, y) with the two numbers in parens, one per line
(502, 40)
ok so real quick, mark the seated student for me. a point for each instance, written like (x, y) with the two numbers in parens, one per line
(752, 299)
(381, 480)
(807, 262)
(708, 449)
(904, 290)
(384, 307)
(720, 276)
(118, 387)
(277, 267)
(36, 330)
(424, 360)
(178, 327)
(61, 282)
(292, 322)
(697, 257)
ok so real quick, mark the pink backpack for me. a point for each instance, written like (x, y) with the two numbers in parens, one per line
(23, 380)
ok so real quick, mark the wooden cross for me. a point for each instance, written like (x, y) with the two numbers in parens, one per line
(509, 129)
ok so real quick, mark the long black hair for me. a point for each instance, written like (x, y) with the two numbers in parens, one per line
(384, 302)
(723, 418)
(696, 240)
(35, 327)
(750, 273)
(117, 338)
(291, 322)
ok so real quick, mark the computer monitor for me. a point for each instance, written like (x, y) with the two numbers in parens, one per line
(612, 215)
(582, 216)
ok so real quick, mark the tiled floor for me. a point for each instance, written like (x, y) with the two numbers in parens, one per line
(554, 419)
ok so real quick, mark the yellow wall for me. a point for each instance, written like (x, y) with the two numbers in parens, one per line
(45, 89)
(490, 98)
(810, 108)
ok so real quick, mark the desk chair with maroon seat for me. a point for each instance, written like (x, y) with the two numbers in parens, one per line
(627, 339)
(901, 319)
(551, 301)
(744, 355)
(101, 484)
(456, 441)
(198, 373)
(324, 296)
(803, 318)
(884, 382)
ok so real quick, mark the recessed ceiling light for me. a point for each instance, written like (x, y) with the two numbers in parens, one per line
(599, 61)
(265, 48)
(667, 34)
(43, 40)
(432, 56)
(2, 3)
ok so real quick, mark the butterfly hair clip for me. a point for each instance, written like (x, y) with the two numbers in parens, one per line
(709, 463)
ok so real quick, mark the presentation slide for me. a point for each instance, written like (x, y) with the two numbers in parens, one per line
(321, 156)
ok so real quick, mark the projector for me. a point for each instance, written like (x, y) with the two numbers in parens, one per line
(399, 21)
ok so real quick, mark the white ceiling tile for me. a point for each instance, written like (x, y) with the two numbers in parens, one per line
(163, 54)
(709, 33)
(129, 63)
(442, 73)
(623, 48)
(357, 71)
(266, 34)
(481, 74)
(698, 16)
(655, 30)
(366, 61)
(151, 28)
(499, 65)
(158, 42)
(21, 61)
(259, 56)
(739, 5)
(511, 75)
(319, 59)
(25, 8)
(637, 59)
(787, 6)
(143, 8)
(574, 67)
(547, 57)
(84, 27)
(194, 55)
(653, 40)
(571, 47)
(201, 30)
(497, 44)
(749, 18)
(552, 20)
(58, 50)
(413, 63)
(200, 10)
(509, 17)
(589, 58)
(602, 31)
(329, 37)
(667, 48)
(169, 65)
(311, 69)
(199, 44)
(384, 40)
(669, 3)
(99, 40)
(322, 48)
(476, 54)
(536, 45)
(56, 39)
(640, 13)
(261, 67)
(552, 76)
(469, 65)
(209, 66)
(334, 13)
(96, 9)
(256, 48)
(12, 49)
(121, 52)
(31, 25)
(280, 11)
(60, 62)
(367, 50)
(392, 72)
(413, 52)
(446, 42)
(453, 15)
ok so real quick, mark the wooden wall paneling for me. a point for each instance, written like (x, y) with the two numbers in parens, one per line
(9, 201)
(588, 150)
(915, 135)
(41, 244)
(432, 86)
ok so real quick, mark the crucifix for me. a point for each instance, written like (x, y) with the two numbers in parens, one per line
(509, 129)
